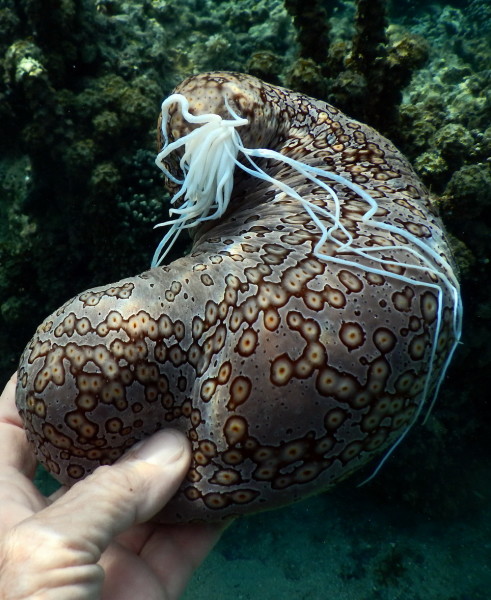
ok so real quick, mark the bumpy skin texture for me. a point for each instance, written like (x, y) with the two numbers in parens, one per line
(286, 372)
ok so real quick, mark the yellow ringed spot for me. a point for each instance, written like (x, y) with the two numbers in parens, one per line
(281, 370)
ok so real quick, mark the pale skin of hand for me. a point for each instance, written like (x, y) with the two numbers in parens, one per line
(93, 542)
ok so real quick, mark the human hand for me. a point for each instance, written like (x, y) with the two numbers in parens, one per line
(92, 541)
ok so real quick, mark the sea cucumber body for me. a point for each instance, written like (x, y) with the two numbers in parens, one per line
(287, 372)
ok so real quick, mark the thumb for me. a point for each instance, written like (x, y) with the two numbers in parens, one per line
(57, 550)
(116, 497)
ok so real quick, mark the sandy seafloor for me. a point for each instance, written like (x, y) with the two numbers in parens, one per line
(346, 546)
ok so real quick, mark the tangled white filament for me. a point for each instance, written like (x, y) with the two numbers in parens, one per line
(208, 164)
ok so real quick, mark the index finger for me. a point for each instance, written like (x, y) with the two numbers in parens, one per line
(18, 495)
(14, 448)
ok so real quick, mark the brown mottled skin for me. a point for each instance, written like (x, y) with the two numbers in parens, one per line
(286, 372)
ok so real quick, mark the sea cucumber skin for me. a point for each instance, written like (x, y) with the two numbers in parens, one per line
(286, 372)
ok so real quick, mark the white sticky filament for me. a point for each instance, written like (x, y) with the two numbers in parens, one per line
(208, 164)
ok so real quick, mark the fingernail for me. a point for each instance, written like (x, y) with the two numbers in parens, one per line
(163, 447)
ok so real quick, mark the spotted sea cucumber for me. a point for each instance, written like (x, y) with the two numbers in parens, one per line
(315, 314)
